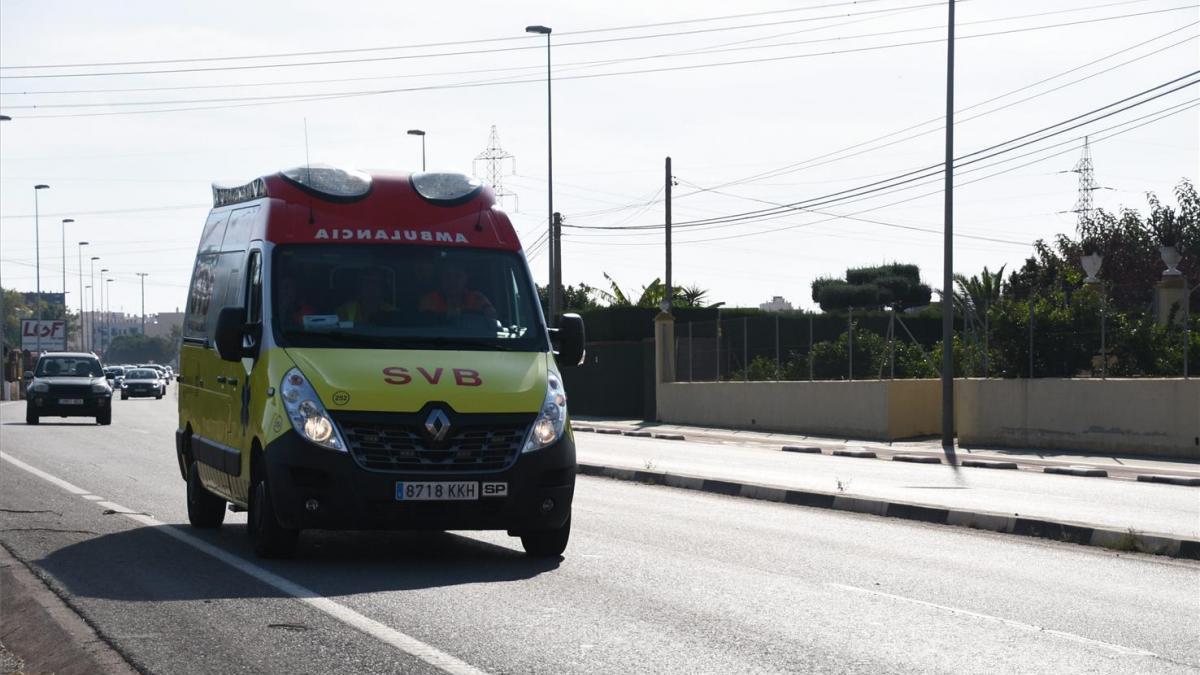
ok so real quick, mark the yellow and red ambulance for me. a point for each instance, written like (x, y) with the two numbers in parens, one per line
(367, 351)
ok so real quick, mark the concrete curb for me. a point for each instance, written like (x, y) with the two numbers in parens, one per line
(808, 449)
(1169, 480)
(917, 459)
(1087, 471)
(989, 464)
(860, 453)
(1075, 533)
(47, 634)
(636, 434)
(670, 437)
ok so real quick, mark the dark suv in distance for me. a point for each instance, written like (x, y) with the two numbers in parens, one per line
(68, 384)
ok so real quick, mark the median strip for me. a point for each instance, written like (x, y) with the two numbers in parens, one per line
(1088, 471)
(1043, 528)
(989, 464)
(860, 453)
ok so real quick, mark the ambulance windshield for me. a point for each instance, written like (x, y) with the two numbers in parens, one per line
(404, 297)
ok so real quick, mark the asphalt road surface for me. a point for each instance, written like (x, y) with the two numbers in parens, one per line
(654, 580)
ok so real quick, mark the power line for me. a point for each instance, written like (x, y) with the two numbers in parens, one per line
(928, 171)
(316, 97)
(432, 44)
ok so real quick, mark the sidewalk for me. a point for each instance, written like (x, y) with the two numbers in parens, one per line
(875, 478)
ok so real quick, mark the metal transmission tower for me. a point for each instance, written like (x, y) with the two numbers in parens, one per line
(1084, 209)
(494, 156)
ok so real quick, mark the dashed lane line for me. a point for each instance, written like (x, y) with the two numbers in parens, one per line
(386, 634)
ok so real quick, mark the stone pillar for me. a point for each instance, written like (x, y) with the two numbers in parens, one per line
(664, 348)
(1170, 293)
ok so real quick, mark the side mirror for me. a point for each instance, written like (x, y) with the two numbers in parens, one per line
(27, 375)
(569, 340)
(231, 325)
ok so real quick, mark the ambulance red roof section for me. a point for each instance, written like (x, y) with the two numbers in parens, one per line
(326, 205)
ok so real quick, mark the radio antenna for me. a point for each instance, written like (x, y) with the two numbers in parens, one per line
(308, 173)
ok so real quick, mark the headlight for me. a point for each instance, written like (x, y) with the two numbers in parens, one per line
(39, 387)
(549, 425)
(101, 388)
(308, 416)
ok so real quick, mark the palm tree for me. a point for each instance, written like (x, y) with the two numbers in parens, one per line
(978, 293)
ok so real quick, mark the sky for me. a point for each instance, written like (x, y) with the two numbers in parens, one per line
(758, 103)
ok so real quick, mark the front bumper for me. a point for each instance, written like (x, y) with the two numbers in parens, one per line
(353, 498)
(48, 405)
(141, 392)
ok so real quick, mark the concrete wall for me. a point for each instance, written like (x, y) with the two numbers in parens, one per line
(872, 409)
(1158, 417)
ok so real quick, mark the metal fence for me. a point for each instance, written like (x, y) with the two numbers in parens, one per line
(1042, 343)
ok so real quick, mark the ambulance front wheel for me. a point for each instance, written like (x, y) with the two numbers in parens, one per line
(271, 540)
(547, 543)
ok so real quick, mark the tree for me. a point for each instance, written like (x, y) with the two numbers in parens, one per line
(140, 349)
(574, 298)
(651, 295)
(895, 285)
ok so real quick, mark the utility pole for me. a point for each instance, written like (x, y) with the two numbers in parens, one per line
(948, 258)
(667, 292)
(66, 322)
(143, 276)
(37, 247)
(556, 293)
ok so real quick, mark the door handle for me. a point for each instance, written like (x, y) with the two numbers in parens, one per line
(220, 379)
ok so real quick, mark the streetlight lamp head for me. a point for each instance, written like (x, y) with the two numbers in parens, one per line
(83, 243)
(95, 257)
(415, 132)
(68, 220)
(40, 186)
(5, 118)
(544, 30)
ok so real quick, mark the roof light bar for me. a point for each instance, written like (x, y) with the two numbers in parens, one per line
(329, 182)
(446, 189)
(224, 194)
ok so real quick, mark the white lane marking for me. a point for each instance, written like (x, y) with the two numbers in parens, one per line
(1126, 651)
(93, 498)
(390, 636)
(44, 476)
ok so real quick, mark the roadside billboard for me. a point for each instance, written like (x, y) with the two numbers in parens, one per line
(53, 335)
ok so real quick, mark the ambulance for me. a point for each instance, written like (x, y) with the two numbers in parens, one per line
(367, 351)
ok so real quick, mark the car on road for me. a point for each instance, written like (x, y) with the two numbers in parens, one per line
(161, 370)
(115, 375)
(142, 382)
(343, 377)
(68, 384)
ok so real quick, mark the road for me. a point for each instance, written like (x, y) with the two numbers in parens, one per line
(654, 580)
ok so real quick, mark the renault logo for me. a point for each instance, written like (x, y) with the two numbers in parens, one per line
(437, 424)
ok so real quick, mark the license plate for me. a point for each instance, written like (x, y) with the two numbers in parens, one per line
(437, 491)
(70, 401)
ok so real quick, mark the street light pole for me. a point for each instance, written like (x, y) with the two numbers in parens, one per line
(67, 332)
(948, 258)
(554, 290)
(37, 248)
(82, 332)
(103, 307)
(108, 312)
(92, 332)
(143, 276)
(418, 132)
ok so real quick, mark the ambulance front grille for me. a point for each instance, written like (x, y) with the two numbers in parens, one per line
(408, 448)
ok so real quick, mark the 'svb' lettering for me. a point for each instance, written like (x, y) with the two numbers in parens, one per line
(431, 379)
(396, 375)
(465, 377)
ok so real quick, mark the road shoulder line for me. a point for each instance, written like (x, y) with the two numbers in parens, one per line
(1042, 528)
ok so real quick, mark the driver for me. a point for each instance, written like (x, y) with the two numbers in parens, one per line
(452, 297)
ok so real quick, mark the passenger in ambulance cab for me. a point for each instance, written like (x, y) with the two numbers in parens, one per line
(452, 298)
(369, 302)
(293, 307)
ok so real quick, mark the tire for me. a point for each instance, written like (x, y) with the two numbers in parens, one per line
(124, 396)
(157, 396)
(205, 510)
(104, 418)
(547, 543)
(30, 416)
(271, 540)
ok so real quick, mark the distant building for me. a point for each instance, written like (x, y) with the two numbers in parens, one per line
(777, 304)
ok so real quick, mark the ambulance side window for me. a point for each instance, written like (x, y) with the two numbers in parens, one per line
(200, 296)
(254, 296)
(240, 228)
(214, 232)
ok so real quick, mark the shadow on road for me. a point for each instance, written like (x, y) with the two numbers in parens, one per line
(144, 564)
